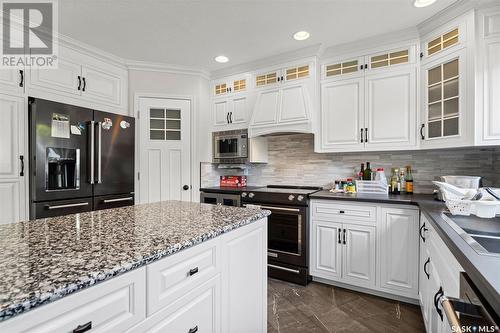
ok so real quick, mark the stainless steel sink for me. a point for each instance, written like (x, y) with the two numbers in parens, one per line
(483, 235)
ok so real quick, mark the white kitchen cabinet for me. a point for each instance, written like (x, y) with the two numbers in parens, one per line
(326, 238)
(231, 102)
(446, 120)
(448, 85)
(110, 306)
(439, 274)
(285, 99)
(367, 245)
(342, 116)
(399, 256)
(219, 285)
(102, 85)
(13, 159)
(359, 255)
(65, 79)
(12, 80)
(197, 311)
(391, 114)
(244, 280)
(488, 69)
(368, 103)
(82, 78)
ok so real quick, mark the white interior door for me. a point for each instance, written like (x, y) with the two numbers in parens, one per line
(164, 150)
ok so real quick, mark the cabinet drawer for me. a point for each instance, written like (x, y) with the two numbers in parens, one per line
(172, 277)
(112, 306)
(196, 311)
(344, 211)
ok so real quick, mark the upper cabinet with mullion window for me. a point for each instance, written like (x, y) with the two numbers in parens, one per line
(447, 86)
(369, 102)
(231, 100)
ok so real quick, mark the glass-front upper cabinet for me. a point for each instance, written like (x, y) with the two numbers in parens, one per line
(443, 107)
(228, 86)
(443, 116)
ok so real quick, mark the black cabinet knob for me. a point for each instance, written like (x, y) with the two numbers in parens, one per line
(193, 271)
(185, 187)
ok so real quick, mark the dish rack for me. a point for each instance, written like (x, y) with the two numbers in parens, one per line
(371, 187)
(482, 208)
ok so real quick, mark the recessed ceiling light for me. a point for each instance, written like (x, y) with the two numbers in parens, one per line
(222, 59)
(301, 35)
(423, 3)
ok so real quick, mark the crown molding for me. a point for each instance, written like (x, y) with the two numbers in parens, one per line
(449, 13)
(166, 68)
(371, 43)
(278, 59)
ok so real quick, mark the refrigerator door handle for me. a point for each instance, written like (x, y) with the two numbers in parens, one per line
(92, 153)
(99, 150)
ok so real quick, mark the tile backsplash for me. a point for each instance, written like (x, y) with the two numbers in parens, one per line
(292, 161)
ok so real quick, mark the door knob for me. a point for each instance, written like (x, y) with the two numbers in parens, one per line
(185, 187)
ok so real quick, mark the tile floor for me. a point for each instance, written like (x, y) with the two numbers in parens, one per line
(323, 308)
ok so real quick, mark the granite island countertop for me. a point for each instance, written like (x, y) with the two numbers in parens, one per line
(482, 269)
(46, 259)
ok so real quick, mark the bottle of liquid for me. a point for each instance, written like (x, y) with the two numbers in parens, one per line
(367, 175)
(380, 176)
(395, 185)
(361, 172)
(409, 180)
(402, 181)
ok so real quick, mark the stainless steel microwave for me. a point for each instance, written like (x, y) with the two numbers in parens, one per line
(230, 146)
(235, 147)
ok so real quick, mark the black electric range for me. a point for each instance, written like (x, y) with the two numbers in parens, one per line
(288, 228)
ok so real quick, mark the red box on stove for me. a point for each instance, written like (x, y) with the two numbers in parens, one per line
(233, 181)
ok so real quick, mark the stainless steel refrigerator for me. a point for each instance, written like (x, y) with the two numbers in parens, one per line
(80, 159)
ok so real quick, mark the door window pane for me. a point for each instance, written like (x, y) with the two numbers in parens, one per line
(164, 124)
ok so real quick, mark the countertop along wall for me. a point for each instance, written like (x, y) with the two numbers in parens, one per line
(292, 161)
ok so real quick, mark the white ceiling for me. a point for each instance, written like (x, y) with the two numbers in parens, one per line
(191, 33)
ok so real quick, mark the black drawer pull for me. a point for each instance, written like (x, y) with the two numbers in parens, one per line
(83, 328)
(437, 296)
(193, 330)
(193, 271)
(425, 268)
(342, 212)
(424, 229)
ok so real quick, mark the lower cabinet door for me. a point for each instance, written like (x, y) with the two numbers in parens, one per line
(326, 250)
(359, 255)
(197, 311)
(398, 248)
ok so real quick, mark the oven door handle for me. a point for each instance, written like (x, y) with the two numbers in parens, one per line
(295, 210)
(296, 271)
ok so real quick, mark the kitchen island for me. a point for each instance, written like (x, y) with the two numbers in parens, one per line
(161, 266)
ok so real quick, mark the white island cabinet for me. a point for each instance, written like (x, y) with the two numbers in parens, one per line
(219, 285)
